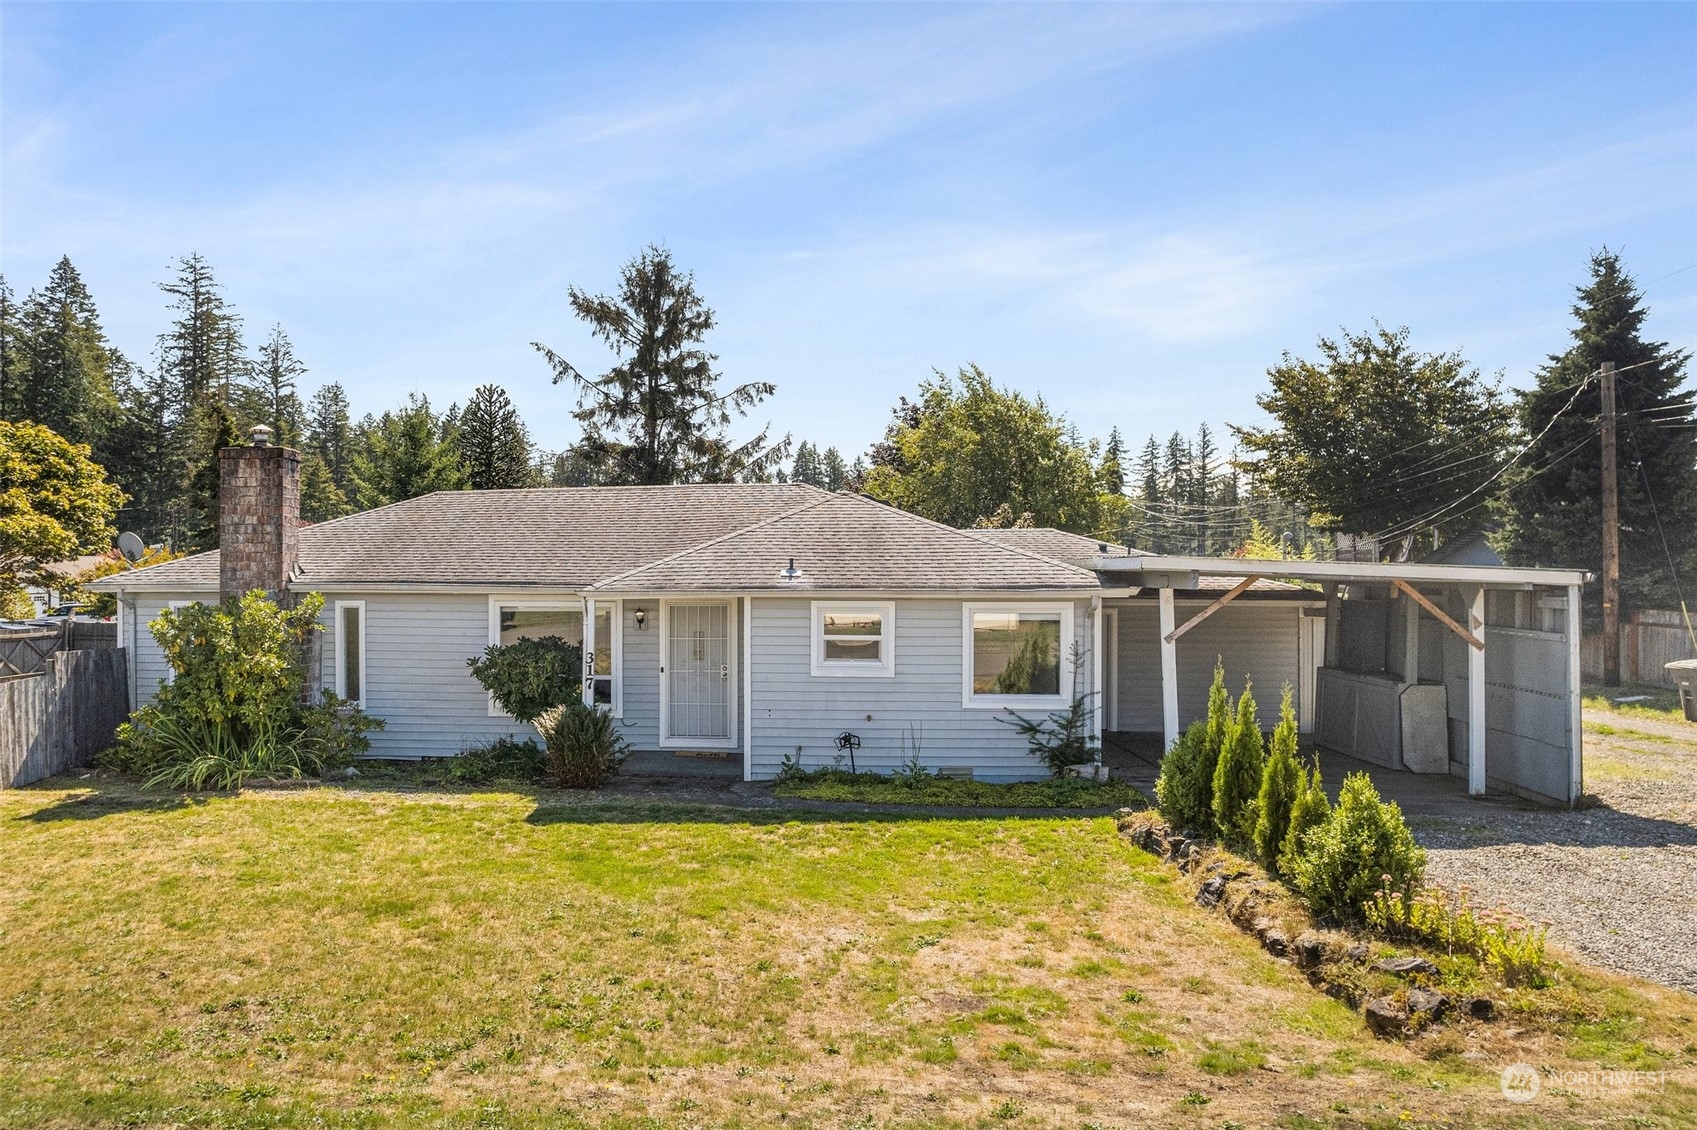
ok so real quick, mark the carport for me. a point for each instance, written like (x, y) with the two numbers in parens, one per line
(1469, 670)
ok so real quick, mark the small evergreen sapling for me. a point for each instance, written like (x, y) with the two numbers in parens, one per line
(1308, 810)
(1237, 775)
(1281, 778)
(1363, 846)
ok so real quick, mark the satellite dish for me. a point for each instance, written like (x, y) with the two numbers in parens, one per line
(130, 545)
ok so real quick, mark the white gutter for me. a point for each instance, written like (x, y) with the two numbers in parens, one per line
(1157, 567)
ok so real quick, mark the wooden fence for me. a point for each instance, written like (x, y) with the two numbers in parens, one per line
(59, 719)
(27, 652)
(1649, 641)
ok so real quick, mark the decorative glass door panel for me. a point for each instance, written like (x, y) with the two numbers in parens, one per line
(698, 672)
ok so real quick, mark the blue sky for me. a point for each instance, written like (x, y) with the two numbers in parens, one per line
(1132, 210)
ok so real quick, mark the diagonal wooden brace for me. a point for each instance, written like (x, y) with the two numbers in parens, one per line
(1443, 617)
(1237, 589)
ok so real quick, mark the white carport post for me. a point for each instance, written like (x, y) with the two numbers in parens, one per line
(1097, 662)
(589, 651)
(1476, 697)
(1169, 668)
(1576, 727)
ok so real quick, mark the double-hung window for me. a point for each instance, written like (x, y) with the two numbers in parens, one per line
(854, 638)
(350, 651)
(1016, 655)
(511, 620)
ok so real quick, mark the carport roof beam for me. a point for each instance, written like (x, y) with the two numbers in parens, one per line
(1240, 587)
(1443, 617)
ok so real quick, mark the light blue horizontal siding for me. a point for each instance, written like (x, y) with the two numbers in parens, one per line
(416, 678)
(1257, 640)
(794, 710)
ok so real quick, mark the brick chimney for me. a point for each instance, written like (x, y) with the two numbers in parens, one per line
(259, 508)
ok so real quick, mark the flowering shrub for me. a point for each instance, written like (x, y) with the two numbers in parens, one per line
(1497, 936)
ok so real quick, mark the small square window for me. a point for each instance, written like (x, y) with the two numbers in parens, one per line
(854, 639)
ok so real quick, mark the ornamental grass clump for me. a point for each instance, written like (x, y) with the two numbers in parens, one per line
(1281, 779)
(1362, 846)
(581, 744)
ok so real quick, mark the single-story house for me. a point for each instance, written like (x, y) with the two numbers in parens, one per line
(758, 622)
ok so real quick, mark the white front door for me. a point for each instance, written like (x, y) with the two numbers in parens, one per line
(697, 677)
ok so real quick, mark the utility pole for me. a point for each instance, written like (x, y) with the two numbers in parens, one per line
(1611, 536)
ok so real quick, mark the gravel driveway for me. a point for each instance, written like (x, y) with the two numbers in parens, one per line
(1619, 880)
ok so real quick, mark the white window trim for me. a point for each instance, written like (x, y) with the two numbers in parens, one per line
(341, 652)
(971, 701)
(172, 606)
(884, 668)
(531, 604)
(617, 607)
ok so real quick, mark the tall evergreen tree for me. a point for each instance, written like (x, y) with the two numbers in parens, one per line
(1176, 472)
(329, 433)
(805, 467)
(659, 414)
(494, 443)
(202, 352)
(1552, 510)
(1151, 530)
(403, 454)
(834, 471)
(321, 498)
(203, 484)
(65, 360)
(1203, 469)
(1113, 463)
(11, 355)
(272, 397)
(146, 454)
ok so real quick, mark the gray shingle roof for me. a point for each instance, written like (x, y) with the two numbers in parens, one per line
(566, 537)
(1075, 549)
(845, 542)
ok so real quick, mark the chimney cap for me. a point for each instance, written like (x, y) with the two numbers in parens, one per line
(261, 435)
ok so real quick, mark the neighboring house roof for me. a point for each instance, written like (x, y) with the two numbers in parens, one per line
(1472, 549)
(846, 542)
(565, 537)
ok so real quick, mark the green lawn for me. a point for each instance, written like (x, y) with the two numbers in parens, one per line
(1654, 702)
(380, 956)
(871, 788)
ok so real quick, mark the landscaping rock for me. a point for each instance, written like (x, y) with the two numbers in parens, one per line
(1261, 927)
(1427, 1003)
(1211, 893)
(1406, 966)
(1275, 942)
(1385, 1017)
(1309, 950)
(1481, 1008)
(1357, 953)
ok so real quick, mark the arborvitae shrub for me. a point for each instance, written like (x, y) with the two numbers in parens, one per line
(1308, 810)
(1186, 782)
(1363, 846)
(1237, 775)
(1281, 778)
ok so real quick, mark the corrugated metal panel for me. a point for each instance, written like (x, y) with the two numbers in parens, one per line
(922, 703)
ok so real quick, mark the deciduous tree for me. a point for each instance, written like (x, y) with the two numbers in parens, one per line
(1379, 438)
(968, 452)
(55, 502)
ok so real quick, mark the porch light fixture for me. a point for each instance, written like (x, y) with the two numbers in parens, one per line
(641, 618)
